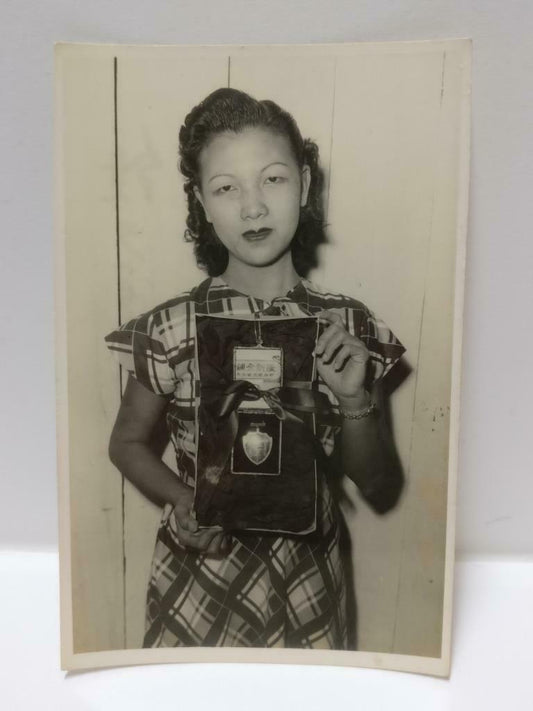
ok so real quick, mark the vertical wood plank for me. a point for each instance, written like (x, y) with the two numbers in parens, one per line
(156, 91)
(420, 590)
(384, 143)
(96, 501)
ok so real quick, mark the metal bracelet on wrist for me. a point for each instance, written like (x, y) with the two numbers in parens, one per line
(358, 414)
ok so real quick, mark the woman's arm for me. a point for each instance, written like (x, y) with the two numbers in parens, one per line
(368, 455)
(367, 452)
(130, 452)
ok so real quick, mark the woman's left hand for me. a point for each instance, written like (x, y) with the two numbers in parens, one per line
(341, 359)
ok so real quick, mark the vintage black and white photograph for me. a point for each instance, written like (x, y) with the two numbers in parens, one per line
(259, 288)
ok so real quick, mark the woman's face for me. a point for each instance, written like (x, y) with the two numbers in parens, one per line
(252, 191)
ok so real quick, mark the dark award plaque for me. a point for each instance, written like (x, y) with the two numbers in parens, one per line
(256, 455)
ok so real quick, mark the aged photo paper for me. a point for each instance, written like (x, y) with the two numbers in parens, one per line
(392, 123)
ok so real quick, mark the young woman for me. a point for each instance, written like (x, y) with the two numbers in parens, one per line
(253, 187)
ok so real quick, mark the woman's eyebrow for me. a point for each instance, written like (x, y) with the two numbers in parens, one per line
(276, 162)
(230, 175)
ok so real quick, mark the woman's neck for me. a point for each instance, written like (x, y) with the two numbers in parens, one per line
(264, 283)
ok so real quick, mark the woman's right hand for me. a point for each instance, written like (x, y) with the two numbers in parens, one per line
(212, 540)
(140, 411)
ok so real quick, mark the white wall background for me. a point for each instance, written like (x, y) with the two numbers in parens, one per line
(496, 463)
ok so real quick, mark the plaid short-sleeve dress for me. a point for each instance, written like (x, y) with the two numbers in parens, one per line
(270, 590)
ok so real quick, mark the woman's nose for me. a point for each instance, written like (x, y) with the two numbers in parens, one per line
(253, 205)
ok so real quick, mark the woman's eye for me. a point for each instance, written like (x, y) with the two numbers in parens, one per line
(224, 189)
(275, 179)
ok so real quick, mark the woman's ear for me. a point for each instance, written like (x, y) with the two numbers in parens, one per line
(306, 182)
(198, 196)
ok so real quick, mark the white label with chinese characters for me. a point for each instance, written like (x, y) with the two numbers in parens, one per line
(261, 366)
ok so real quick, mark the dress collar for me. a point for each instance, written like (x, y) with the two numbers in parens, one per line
(298, 294)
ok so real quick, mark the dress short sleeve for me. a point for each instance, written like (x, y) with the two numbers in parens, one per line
(383, 346)
(139, 347)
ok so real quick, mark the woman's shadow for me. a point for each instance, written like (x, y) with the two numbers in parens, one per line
(382, 507)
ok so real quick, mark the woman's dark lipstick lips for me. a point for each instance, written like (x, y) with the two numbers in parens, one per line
(253, 235)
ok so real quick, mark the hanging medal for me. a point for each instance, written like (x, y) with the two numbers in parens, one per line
(257, 448)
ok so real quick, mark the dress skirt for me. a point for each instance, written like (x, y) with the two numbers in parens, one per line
(268, 591)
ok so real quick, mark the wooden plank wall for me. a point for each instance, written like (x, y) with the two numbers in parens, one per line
(386, 124)
(93, 388)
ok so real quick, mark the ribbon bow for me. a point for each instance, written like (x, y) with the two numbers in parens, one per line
(280, 400)
(219, 421)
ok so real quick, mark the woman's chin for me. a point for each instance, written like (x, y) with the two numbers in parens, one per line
(266, 259)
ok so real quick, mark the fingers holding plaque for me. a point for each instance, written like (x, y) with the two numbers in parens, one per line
(341, 357)
(336, 341)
